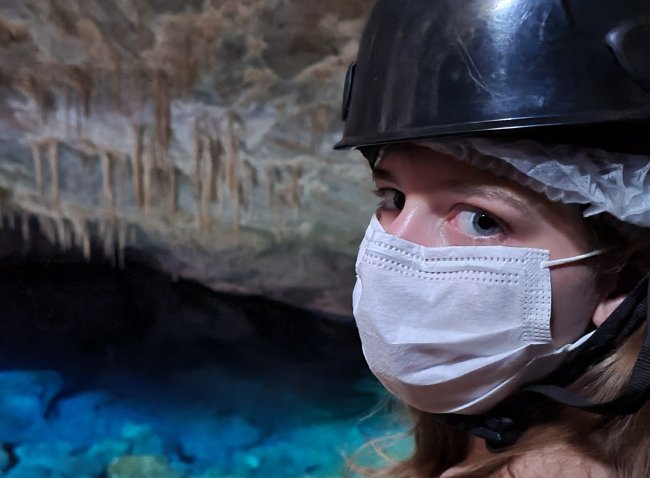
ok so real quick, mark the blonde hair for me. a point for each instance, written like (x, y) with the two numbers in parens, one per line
(622, 443)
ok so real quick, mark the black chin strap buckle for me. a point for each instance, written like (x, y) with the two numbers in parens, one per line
(498, 433)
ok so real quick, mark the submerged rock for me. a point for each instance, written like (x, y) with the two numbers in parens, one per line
(25, 399)
(141, 466)
(5, 460)
(214, 439)
(54, 459)
(143, 440)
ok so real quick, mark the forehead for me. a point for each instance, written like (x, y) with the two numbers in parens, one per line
(430, 169)
(431, 166)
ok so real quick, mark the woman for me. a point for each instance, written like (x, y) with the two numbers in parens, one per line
(502, 287)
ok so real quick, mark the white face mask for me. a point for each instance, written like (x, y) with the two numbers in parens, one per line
(455, 329)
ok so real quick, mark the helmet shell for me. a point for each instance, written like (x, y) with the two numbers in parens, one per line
(434, 68)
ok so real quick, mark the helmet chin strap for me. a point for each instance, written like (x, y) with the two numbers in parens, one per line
(508, 421)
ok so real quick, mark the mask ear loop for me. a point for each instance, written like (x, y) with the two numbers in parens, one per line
(508, 421)
(569, 260)
(607, 337)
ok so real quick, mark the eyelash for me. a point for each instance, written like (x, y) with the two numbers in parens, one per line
(382, 194)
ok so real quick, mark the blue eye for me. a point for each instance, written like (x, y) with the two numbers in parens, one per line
(390, 199)
(478, 223)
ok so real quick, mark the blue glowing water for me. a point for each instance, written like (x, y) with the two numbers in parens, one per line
(282, 401)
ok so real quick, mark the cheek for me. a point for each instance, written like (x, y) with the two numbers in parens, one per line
(574, 300)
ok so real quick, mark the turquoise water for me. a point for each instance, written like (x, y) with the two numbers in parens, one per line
(201, 422)
(291, 397)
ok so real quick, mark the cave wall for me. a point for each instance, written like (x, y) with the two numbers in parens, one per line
(199, 132)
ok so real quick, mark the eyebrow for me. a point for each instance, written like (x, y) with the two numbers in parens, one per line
(492, 192)
(464, 188)
(378, 173)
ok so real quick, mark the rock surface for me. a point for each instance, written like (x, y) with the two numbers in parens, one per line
(25, 398)
(200, 132)
(140, 466)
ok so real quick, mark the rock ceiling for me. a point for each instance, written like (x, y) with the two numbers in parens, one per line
(199, 132)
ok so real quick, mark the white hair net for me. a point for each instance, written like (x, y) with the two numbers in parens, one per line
(608, 182)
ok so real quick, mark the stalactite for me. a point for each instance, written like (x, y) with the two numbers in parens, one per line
(81, 235)
(116, 89)
(86, 247)
(244, 196)
(247, 183)
(132, 239)
(232, 170)
(277, 225)
(206, 186)
(122, 234)
(79, 118)
(107, 182)
(214, 150)
(61, 232)
(197, 144)
(220, 179)
(295, 188)
(147, 182)
(37, 91)
(274, 176)
(24, 228)
(82, 80)
(250, 183)
(163, 112)
(215, 156)
(190, 69)
(66, 108)
(196, 178)
(136, 165)
(38, 168)
(46, 225)
(70, 235)
(173, 191)
(121, 179)
(107, 231)
(271, 191)
(53, 155)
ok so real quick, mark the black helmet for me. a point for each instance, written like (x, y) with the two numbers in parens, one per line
(434, 68)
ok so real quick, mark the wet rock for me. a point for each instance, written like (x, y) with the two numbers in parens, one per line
(105, 451)
(212, 439)
(25, 398)
(34, 472)
(141, 466)
(52, 459)
(72, 414)
(5, 459)
(143, 441)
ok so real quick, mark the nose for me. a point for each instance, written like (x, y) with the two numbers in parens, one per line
(414, 222)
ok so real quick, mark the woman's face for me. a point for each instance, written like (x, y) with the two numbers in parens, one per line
(436, 200)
